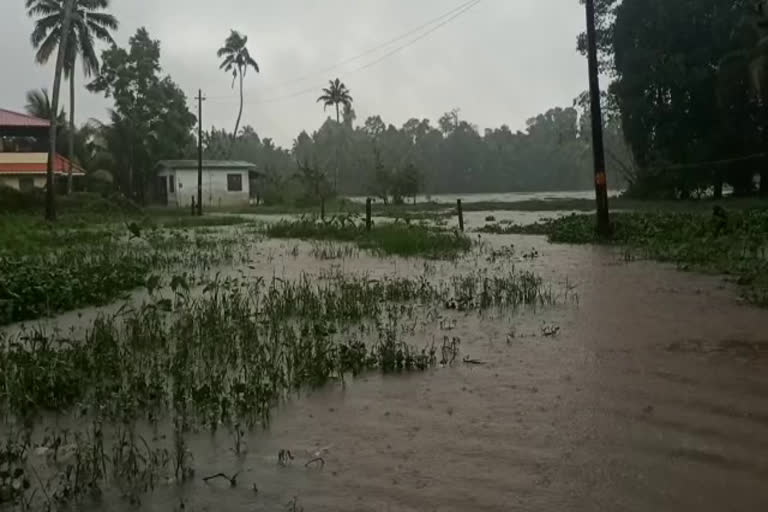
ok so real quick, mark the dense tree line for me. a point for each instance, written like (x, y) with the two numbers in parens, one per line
(395, 163)
(690, 86)
(150, 121)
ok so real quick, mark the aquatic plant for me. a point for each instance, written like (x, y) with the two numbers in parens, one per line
(385, 239)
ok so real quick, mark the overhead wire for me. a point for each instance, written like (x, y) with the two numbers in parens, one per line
(440, 20)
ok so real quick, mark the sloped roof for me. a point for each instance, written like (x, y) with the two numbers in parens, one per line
(60, 166)
(15, 119)
(207, 164)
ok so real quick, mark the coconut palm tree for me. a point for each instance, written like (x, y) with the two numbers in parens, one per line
(334, 95)
(88, 23)
(48, 10)
(237, 60)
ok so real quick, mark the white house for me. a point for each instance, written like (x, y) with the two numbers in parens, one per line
(225, 183)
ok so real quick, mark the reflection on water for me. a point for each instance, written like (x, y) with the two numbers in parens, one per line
(652, 396)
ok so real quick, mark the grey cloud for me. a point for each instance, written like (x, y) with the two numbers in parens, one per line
(501, 63)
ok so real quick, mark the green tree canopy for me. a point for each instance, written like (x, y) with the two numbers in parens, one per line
(150, 120)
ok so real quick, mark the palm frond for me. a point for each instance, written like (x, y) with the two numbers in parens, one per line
(48, 46)
(251, 62)
(88, 24)
(43, 26)
(103, 20)
(87, 50)
(43, 7)
(237, 56)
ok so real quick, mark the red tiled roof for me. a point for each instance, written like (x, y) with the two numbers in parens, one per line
(61, 166)
(8, 118)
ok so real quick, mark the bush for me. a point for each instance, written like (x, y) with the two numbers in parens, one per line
(15, 201)
(12, 200)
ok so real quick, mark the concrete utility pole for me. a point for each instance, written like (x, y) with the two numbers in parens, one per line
(598, 150)
(200, 99)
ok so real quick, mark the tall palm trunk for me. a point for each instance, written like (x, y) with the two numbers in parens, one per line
(71, 152)
(50, 198)
(336, 171)
(240, 113)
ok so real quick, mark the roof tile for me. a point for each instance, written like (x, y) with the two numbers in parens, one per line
(9, 118)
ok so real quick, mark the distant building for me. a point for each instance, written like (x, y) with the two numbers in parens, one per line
(225, 183)
(24, 153)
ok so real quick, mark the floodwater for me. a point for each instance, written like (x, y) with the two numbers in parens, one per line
(503, 197)
(653, 395)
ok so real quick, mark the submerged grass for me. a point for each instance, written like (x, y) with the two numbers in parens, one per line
(46, 269)
(284, 334)
(386, 239)
(731, 242)
(220, 359)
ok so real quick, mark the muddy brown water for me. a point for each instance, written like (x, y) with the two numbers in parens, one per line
(652, 396)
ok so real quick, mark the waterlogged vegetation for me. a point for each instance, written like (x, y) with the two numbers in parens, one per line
(140, 382)
(47, 269)
(109, 409)
(402, 239)
(114, 409)
(731, 242)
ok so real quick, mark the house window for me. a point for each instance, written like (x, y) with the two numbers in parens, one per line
(234, 182)
(26, 184)
(172, 184)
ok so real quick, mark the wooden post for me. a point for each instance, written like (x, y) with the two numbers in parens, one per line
(368, 214)
(461, 214)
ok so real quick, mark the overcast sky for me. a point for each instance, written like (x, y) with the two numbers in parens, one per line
(501, 62)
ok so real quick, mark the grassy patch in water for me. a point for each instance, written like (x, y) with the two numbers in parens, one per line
(220, 357)
(734, 243)
(51, 268)
(395, 239)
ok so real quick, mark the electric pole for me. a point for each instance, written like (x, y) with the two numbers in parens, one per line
(598, 150)
(200, 99)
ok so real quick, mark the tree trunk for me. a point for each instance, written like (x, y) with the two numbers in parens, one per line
(71, 134)
(240, 113)
(338, 119)
(50, 198)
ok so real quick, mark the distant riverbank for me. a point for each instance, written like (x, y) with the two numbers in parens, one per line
(501, 197)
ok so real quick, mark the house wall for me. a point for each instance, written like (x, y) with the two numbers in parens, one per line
(23, 158)
(12, 180)
(215, 191)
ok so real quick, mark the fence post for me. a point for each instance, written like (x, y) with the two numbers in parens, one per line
(461, 214)
(368, 213)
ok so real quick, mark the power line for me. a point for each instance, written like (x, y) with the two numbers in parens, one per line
(441, 21)
(456, 13)
(416, 40)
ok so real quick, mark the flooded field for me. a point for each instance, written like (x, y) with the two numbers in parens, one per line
(619, 386)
